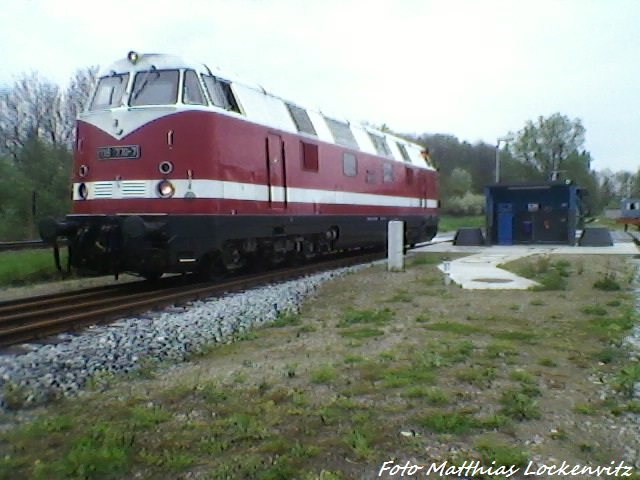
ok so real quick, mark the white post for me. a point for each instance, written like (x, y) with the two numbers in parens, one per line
(395, 241)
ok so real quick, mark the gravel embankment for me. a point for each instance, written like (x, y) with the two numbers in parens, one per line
(50, 370)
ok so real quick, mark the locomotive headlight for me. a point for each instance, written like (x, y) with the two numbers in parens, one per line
(165, 189)
(83, 191)
(133, 56)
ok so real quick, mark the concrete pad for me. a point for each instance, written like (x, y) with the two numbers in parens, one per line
(479, 270)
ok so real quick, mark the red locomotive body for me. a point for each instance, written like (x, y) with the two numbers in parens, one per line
(178, 169)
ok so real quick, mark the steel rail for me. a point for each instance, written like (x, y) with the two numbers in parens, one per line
(66, 313)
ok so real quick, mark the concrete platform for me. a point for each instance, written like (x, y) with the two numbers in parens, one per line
(479, 270)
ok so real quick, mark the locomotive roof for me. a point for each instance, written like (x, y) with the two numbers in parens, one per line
(247, 89)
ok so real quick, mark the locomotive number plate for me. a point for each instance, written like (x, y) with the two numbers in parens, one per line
(124, 151)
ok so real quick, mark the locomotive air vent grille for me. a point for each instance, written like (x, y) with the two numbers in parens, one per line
(133, 188)
(103, 189)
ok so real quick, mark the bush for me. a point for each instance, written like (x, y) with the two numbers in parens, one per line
(468, 204)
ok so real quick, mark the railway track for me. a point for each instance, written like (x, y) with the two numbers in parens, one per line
(33, 318)
(23, 245)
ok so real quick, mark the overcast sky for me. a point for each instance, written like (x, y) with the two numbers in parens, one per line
(475, 69)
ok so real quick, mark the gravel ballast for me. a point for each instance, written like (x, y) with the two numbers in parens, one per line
(63, 369)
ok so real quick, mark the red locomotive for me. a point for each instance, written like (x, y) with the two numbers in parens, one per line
(181, 169)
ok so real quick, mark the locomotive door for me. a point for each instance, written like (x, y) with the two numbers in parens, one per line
(422, 183)
(276, 171)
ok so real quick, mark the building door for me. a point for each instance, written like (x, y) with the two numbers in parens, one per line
(276, 172)
(505, 224)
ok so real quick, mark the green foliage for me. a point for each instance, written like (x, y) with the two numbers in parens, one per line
(285, 319)
(501, 453)
(548, 142)
(375, 317)
(470, 204)
(608, 283)
(518, 403)
(40, 174)
(449, 223)
(449, 422)
(324, 374)
(627, 378)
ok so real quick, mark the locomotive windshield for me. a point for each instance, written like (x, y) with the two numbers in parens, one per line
(109, 92)
(155, 87)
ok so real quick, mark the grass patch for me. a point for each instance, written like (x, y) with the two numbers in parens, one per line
(362, 332)
(608, 282)
(18, 268)
(594, 310)
(408, 375)
(432, 395)
(454, 327)
(324, 374)
(519, 404)
(286, 319)
(448, 422)
(492, 450)
(375, 317)
(449, 223)
(478, 376)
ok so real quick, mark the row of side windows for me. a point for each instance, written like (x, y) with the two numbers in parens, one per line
(342, 133)
(222, 96)
(350, 169)
(310, 162)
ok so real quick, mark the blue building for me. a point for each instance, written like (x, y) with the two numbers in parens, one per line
(530, 213)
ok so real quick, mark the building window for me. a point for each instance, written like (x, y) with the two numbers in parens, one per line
(403, 152)
(349, 164)
(301, 119)
(220, 93)
(387, 173)
(309, 156)
(191, 91)
(380, 145)
(342, 134)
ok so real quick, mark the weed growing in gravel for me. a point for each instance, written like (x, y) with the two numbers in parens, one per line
(479, 376)
(594, 310)
(627, 378)
(324, 374)
(362, 332)
(375, 317)
(493, 450)
(432, 395)
(518, 404)
(584, 408)
(454, 327)
(547, 362)
(448, 422)
(401, 295)
(286, 319)
(501, 349)
(522, 377)
(148, 416)
(608, 282)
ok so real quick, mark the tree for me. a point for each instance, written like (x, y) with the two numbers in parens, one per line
(456, 184)
(548, 143)
(35, 106)
(76, 97)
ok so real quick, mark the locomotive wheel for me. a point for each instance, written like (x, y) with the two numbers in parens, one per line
(151, 276)
(211, 268)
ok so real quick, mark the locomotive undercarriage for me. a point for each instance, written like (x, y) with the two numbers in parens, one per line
(150, 246)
